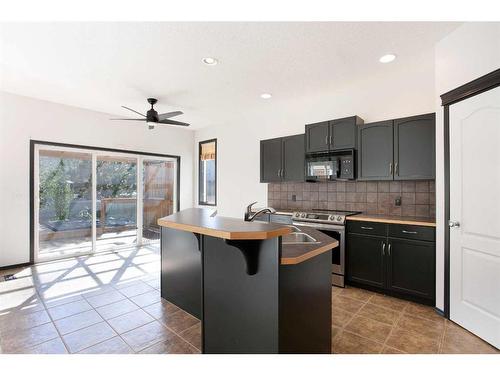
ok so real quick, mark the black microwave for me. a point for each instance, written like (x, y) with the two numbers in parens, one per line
(330, 166)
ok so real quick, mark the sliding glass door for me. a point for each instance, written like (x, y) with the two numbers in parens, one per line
(89, 200)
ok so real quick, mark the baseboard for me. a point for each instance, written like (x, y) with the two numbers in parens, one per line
(2, 268)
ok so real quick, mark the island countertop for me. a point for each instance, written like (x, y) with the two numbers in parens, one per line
(198, 220)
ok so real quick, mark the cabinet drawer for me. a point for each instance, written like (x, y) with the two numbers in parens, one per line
(412, 232)
(367, 227)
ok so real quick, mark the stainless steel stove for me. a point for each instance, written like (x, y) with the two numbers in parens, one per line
(332, 223)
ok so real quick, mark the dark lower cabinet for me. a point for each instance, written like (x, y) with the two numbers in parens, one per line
(403, 267)
(411, 268)
(365, 259)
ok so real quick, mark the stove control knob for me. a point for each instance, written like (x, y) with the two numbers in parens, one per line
(331, 217)
(339, 218)
(303, 215)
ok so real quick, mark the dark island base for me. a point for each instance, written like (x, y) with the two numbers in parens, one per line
(247, 302)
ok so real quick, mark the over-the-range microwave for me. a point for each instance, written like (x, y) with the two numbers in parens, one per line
(330, 166)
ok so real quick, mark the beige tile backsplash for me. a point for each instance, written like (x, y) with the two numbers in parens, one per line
(370, 197)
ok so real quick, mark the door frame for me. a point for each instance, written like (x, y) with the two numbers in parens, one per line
(472, 88)
(32, 179)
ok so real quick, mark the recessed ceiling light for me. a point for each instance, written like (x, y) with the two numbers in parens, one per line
(266, 96)
(210, 61)
(387, 58)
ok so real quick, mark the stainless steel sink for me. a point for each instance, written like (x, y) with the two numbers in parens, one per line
(298, 238)
(294, 228)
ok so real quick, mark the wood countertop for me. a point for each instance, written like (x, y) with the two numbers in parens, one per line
(297, 253)
(199, 220)
(423, 221)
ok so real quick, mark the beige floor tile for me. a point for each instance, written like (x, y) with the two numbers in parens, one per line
(346, 303)
(350, 343)
(78, 321)
(116, 309)
(60, 300)
(411, 342)
(146, 299)
(340, 317)
(388, 302)
(105, 299)
(173, 345)
(335, 331)
(423, 311)
(129, 321)
(22, 320)
(457, 340)
(389, 350)
(136, 289)
(68, 309)
(54, 346)
(88, 336)
(379, 314)
(433, 329)
(161, 309)
(369, 328)
(359, 294)
(179, 321)
(19, 340)
(193, 335)
(147, 335)
(116, 345)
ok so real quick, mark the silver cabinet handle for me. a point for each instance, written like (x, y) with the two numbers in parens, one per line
(389, 249)
(383, 248)
(278, 173)
(409, 232)
(453, 224)
(326, 140)
(367, 228)
(396, 169)
(390, 167)
(331, 141)
(282, 172)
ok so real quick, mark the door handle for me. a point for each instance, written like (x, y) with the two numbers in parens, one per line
(453, 224)
(383, 248)
(389, 250)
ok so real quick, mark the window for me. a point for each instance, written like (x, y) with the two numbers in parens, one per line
(207, 175)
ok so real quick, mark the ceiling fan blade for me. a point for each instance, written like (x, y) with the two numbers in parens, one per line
(164, 116)
(130, 109)
(129, 119)
(172, 122)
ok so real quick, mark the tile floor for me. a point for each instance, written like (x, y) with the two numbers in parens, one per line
(110, 303)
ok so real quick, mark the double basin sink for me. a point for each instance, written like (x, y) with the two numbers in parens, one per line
(297, 237)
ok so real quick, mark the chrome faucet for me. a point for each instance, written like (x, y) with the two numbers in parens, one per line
(249, 216)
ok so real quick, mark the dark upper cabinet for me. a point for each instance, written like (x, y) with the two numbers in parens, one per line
(365, 260)
(293, 158)
(282, 159)
(375, 152)
(270, 160)
(344, 133)
(333, 135)
(411, 267)
(414, 147)
(318, 137)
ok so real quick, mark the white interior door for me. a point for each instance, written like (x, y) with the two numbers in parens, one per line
(475, 207)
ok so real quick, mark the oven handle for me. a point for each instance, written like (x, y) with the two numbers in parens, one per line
(340, 228)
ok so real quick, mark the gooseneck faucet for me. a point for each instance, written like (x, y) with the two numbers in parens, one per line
(249, 216)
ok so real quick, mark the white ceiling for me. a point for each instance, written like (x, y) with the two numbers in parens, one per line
(101, 66)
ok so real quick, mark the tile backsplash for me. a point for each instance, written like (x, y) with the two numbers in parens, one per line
(418, 198)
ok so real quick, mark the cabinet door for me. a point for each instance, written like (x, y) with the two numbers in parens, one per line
(411, 267)
(293, 158)
(317, 137)
(414, 147)
(375, 158)
(365, 259)
(345, 132)
(270, 160)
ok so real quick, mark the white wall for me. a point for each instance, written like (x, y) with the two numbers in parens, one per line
(22, 119)
(469, 52)
(401, 90)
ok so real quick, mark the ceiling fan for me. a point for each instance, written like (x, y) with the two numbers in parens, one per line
(152, 117)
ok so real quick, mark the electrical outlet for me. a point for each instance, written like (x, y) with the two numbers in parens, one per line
(294, 197)
(397, 201)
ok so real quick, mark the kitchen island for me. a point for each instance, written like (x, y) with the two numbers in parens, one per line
(256, 287)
